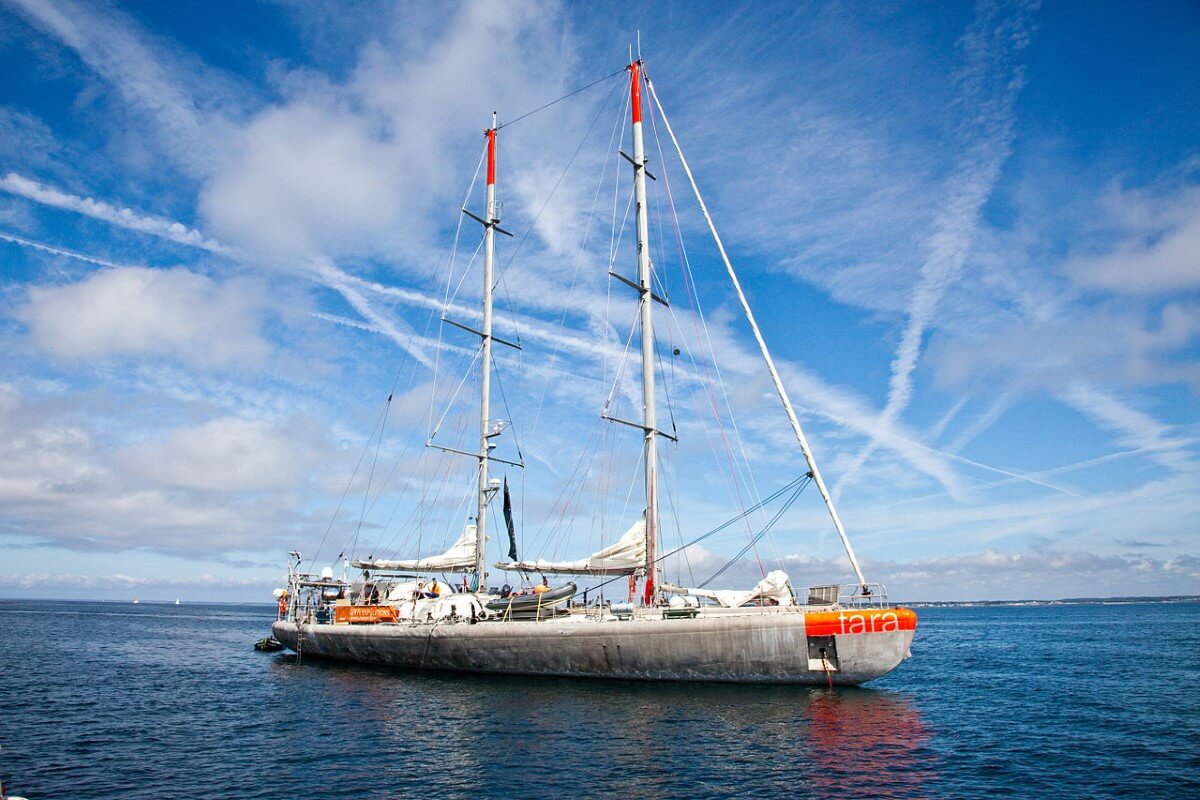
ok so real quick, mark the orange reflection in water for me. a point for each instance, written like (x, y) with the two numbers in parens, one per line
(863, 743)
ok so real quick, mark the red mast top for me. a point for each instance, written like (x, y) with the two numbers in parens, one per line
(635, 70)
(491, 145)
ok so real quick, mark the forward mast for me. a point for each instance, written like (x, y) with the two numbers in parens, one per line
(485, 358)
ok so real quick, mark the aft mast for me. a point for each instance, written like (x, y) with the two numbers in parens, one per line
(649, 416)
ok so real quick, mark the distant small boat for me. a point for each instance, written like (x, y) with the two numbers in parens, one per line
(4, 796)
(176, 601)
(135, 602)
(268, 644)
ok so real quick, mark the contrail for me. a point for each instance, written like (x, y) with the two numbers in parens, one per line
(324, 272)
(988, 84)
(58, 251)
(939, 427)
(106, 212)
(1133, 427)
(352, 288)
(340, 281)
(348, 323)
(1076, 465)
(985, 420)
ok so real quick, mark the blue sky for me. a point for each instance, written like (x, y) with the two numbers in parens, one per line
(971, 234)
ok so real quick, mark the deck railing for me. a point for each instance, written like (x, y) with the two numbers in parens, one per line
(872, 595)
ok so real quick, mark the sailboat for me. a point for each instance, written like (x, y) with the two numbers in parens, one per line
(841, 635)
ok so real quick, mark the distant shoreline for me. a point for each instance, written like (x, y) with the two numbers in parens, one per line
(12, 598)
(1067, 601)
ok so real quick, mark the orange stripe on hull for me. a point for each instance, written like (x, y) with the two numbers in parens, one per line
(361, 615)
(853, 621)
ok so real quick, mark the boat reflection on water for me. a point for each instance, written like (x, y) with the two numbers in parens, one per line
(869, 739)
(615, 737)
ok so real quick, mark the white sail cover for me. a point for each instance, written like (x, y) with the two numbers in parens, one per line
(459, 558)
(624, 557)
(774, 587)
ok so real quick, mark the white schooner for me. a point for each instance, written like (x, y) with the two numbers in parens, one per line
(832, 635)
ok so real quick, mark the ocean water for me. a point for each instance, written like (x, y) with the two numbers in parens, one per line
(105, 700)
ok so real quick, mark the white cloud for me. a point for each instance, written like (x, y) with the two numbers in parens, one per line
(357, 169)
(134, 311)
(1103, 344)
(1160, 255)
(310, 180)
(79, 472)
(26, 140)
(227, 454)
(987, 574)
(77, 581)
(996, 574)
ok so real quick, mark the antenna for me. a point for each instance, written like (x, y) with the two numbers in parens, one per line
(639, 44)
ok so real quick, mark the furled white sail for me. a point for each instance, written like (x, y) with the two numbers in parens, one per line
(624, 557)
(459, 558)
(774, 589)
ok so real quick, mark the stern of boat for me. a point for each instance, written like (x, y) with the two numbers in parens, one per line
(856, 637)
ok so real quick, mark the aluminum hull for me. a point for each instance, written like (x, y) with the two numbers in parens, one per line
(767, 646)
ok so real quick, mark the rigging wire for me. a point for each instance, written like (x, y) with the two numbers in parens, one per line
(450, 403)
(337, 509)
(378, 427)
(563, 492)
(558, 182)
(441, 479)
(508, 410)
(446, 298)
(573, 497)
(692, 290)
(465, 274)
(798, 484)
(560, 99)
(582, 248)
(412, 438)
(502, 277)
(766, 529)
(387, 407)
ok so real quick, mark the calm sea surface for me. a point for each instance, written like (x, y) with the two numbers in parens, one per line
(104, 700)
